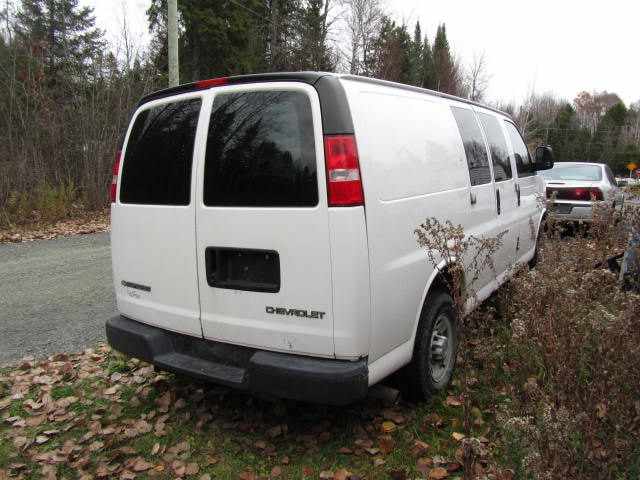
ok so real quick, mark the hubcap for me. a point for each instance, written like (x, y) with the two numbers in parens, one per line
(441, 351)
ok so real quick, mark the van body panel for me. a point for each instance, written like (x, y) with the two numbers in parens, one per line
(509, 212)
(413, 167)
(350, 275)
(282, 320)
(153, 251)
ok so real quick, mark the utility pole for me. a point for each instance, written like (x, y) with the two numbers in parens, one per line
(172, 34)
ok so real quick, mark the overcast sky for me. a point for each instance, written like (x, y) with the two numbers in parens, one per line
(562, 46)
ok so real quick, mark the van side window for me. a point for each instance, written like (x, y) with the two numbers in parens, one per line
(524, 165)
(261, 151)
(474, 146)
(159, 155)
(497, 147)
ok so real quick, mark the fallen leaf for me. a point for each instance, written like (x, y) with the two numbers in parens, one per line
(66, 402)
(457, 436)
(434, 419)
(95, 446)
(19, 442)
(192, 469)
(40, 439)
(247, 475)
(424, 464)
(326, 475)
(387, 444)
(341, 474)
(453, 467)
(419, 448)
(276, 471)
(179, 468)
(388, 426)
(378, 462)
(36, 421)
(155, 449)
(438, 473)
(164, 401)
(399, 474)
(111, 390)
(274, 431)
(141, 465)
(453, 401)
(372, 451)
(601, 410)
(206, 476)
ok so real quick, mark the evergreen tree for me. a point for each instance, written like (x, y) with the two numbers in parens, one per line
(445, 71)
(314, 53)
(217, 38)
(428, 79)
(415, 57)
(62, 35)
(392, 52)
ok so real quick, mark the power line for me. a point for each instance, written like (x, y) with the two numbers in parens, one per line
(262, 17)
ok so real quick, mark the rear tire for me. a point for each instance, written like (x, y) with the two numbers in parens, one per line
(434, 352)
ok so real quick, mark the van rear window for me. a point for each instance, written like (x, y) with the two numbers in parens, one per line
(159, 154)
(261, 151)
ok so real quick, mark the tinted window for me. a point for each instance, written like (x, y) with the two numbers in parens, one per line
(158, 158)
(260, 151)
(497, 146)
(474, 146)
(524, 165)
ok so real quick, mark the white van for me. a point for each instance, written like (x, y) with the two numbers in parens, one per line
(263, 229)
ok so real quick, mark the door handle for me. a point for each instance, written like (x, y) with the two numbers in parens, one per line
(498, 201)
(473, 198)
(518, 193)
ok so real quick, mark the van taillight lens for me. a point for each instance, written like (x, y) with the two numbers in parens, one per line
(114, 179)
(344, 185)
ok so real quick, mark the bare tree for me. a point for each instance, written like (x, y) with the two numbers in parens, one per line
(363, 20)
(477, 78)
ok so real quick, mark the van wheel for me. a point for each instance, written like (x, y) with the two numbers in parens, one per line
(434, 353)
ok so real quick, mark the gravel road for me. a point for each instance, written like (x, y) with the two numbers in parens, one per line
(55, 295)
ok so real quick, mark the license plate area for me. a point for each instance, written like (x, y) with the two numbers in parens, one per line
(243, 269)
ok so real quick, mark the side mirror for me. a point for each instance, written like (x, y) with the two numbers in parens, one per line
(544, 157)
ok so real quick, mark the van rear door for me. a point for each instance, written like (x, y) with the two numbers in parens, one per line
(153, 219)
(262, 220)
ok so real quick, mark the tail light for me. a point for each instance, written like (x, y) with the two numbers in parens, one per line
(114, 179)
(344, 185)
(585, 194)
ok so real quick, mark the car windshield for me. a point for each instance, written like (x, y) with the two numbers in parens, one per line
(592, 173)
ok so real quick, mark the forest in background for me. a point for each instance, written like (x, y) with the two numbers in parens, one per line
(67, 94)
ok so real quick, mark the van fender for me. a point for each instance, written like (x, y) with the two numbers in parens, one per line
(432, 278)
(403, 354)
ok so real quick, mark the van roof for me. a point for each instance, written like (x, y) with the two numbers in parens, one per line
(310, 78)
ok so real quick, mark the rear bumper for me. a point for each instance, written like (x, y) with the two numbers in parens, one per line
(572, 212)
(335, 382)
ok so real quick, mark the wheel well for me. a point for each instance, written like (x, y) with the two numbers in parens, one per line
(444, 280)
